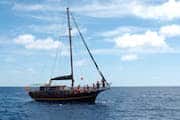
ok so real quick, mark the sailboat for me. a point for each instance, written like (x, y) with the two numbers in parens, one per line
(71, 94)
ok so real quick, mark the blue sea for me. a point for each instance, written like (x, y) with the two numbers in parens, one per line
(119, 103)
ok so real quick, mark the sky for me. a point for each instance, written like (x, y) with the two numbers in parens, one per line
(135, 42)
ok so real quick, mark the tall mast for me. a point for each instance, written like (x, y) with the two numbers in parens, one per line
(70, 43)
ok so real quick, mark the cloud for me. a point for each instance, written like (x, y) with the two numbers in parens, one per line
(51, 29)
(121, 30)
(102, 9)
(133, 41)
(31, 42)
(106, 51)
(129, 57)
(94, 8)
(170, 30)
(30, 7)
(54, 29)
(40, 6)
(24, 39)
(149, 39)
(168, 10)
(139, 40)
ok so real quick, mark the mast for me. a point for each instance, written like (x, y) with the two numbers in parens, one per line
(70, 43)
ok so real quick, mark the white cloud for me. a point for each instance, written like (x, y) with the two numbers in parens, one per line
(115, 8)
(170, 30)
(24, 39)
(43, 6)
(47, 43)
(54, 29)
(167, 11)
(106, 51)
(149, 39)
(102, 9)
(121, 30)
(30, 7)
(139, 40)
(31, 42)
(129, 57)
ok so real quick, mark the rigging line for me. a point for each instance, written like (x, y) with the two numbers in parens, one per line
(60, 63)
(79, 57)
(54, 65)
(62, 49)
(83, 40)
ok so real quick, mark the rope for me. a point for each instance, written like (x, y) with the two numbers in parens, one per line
(83, 40)
(54, 65)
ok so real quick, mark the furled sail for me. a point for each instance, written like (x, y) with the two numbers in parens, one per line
(65, 77)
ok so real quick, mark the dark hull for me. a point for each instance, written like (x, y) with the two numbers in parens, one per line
(69, 98)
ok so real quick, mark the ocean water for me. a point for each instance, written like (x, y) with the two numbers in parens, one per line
(119, 103)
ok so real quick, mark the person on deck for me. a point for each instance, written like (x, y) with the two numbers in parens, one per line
(78, 89)
(87, 87)
(93, 85)
(103, 83)
(97, 84)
